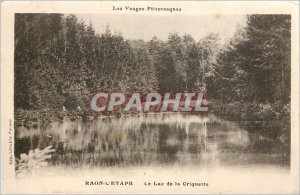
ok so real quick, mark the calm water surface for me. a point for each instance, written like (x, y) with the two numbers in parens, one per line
(150, 140)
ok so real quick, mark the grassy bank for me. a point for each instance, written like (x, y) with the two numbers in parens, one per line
(270, 120)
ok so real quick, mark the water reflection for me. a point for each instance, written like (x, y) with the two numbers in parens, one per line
(153, 139)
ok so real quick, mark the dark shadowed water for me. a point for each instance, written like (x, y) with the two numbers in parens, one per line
(150, 140)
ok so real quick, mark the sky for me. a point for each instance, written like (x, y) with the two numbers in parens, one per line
(135, 26)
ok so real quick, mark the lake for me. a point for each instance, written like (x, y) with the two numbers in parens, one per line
(152, 140)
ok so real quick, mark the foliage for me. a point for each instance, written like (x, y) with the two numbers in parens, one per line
(59, 61)
(253, 76)
(255, 65)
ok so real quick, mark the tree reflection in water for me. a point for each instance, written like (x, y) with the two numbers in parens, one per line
(153, 139)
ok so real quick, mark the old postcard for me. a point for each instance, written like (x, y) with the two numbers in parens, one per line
(156, 97)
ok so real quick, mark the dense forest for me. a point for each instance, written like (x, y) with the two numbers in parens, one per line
(60, 61)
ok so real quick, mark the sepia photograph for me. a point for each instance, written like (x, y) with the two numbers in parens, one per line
(148, 98)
